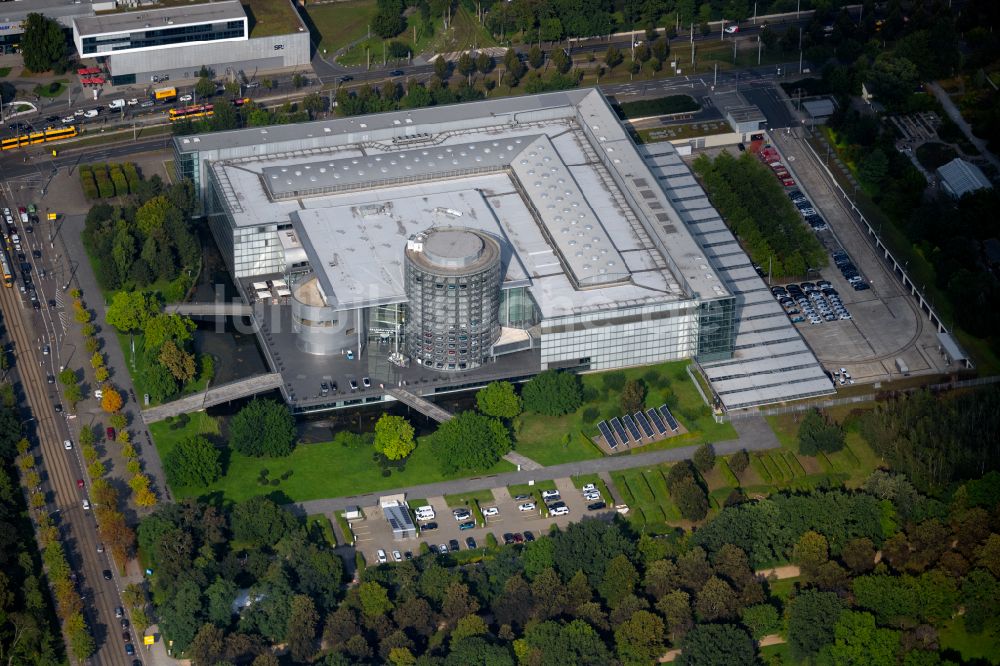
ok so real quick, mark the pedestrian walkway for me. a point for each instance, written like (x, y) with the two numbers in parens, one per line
(616, 496)
(216, 395)
(755, 435)
(425, 407)
(523, 462)
(956, 116)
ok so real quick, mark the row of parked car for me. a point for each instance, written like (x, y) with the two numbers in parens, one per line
(770, 157)
(850, 271)
(817, 302)
(809, 213)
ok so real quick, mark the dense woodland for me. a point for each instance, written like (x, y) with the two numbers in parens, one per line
(596, 593)
(147, 239)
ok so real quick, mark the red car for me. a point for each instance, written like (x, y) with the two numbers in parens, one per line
(79, 483)
(110, 432)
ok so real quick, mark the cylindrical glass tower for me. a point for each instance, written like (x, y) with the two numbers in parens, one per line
(453, 290)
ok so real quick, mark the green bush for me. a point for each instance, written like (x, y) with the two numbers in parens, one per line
(104, 185)
(120, 183)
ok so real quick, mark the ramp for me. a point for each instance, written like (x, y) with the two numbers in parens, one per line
(214, 396)
(425, 407)
(213, 309)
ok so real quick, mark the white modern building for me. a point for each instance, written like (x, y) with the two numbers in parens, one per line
(150, 44)
(598, 265)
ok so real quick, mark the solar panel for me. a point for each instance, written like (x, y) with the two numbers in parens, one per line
(640, 418)
(609, 436)
(630, 424)
(655, 419)
(669, 418)
(619, 430)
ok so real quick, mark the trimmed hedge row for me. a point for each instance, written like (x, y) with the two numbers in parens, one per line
(101, 181)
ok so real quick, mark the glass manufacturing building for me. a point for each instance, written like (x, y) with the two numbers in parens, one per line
(462, 243)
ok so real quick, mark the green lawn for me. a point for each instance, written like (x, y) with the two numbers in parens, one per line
(200, 423)
(466, 499)
(271, 17)
(985, 646)
(645, 493)
(4, 72)
(340, 23)
(317, 471)
(777, 655)
(321, 523)
(46, 91)
(541, 438)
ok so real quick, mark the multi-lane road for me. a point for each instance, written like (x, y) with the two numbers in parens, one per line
(29, 331)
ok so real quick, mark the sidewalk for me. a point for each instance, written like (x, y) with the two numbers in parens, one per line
(63, 194)
(956, 117)
(755, 435)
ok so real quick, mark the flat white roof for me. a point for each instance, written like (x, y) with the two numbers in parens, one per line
(555, 177)
(160, 19)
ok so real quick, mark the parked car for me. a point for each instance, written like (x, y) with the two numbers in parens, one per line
(453, 545)
(397, 556)
(527, 506)
(590, 487)
(470, 543)
(529, 535)
(491, 511)
(442, 548)
(467, 526)
(110, 433)
(67, 444)
(380, 556)
(596, 506)
(550, 495)
(427, 527)
(107, 574)
(79, 483)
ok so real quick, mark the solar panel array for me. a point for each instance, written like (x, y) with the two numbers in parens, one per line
(631, 429)
(609, 436)
(668, 417)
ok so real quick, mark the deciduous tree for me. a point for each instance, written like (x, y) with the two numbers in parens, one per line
(130, 310)
(193, 462)
(553, 393)
(704, 457)
(263, 428)
(640, 638)
(717, 644)
(633, 397)
(394, 437)
(499, 399)
(470, 441)
(111, 400)
(180, 363)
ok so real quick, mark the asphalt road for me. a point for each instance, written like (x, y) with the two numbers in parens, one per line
(29, 330)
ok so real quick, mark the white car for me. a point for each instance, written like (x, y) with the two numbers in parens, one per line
(732, 29)
(589, 488)
(397, 556)
(380, 555)
(98, 393)
(133, 102)
(465, 515)
(527, 506)
(79, 112)
(92, 113)
(560, 511)
(86, 505)
(550, 494)
(69, 120)
(491, 511)
(592, 497)
(185, 98)
(67, 444)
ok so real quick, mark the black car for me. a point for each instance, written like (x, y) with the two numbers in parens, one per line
(453, 545)
(37, 254)
(107, 574)
(52, 119)
(470, 543)
(126, 637)
(58, 408)
(428, 527)
(596, 506)
(508, 538)
(129, 649)
(51, 379)
(124, 623)
(407, 555)
(529, 535)
(397, 72)
(52, 302)
(346, 78)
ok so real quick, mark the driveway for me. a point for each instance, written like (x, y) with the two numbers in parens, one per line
(956, 116)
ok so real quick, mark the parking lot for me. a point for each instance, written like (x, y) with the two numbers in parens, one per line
(885, 322)
(510, 523)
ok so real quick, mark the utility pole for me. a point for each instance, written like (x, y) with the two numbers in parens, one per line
(722, 30)
(715, 79)
(692, 45)
(758, 48)
(734, 49)
(755, 13)
(800, 49)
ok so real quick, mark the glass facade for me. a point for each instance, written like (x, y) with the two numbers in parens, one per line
(716, 329)
(621, 338)
(453, 314)
(140, 39)
(518, 309)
